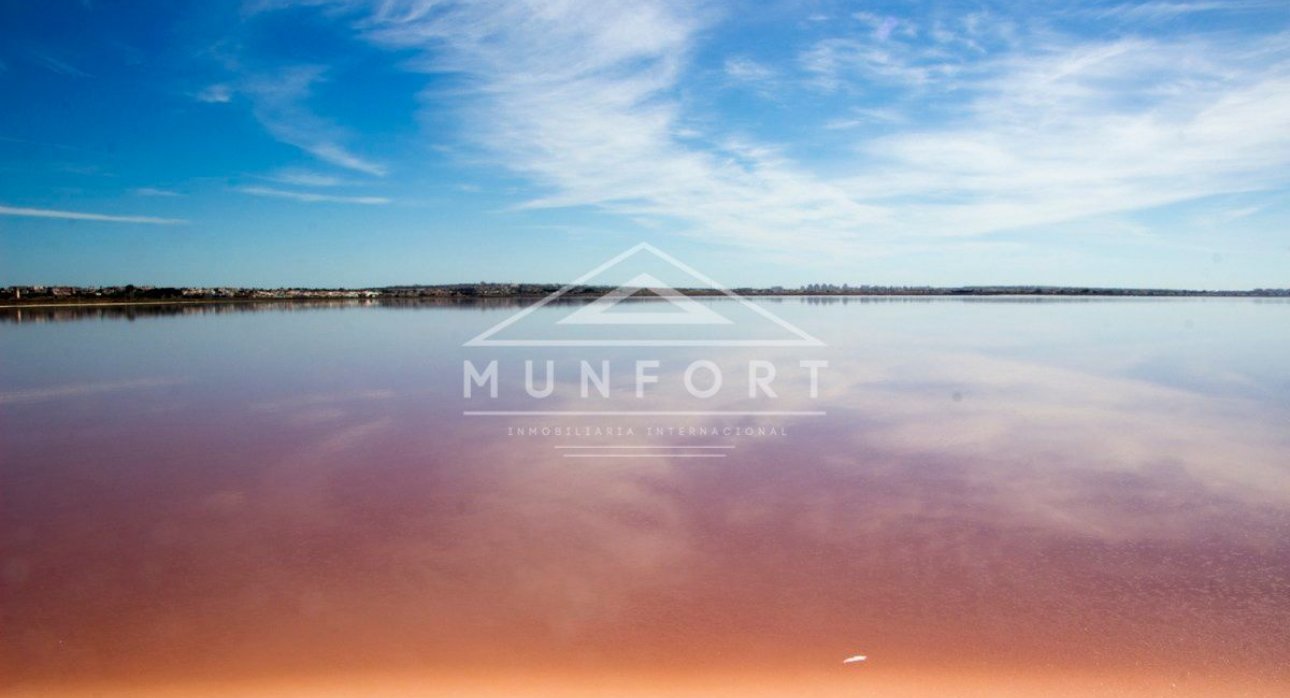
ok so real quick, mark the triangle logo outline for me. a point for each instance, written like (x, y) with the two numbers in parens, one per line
(685, 310)
(801, 337)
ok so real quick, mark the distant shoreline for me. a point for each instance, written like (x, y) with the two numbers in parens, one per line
(79, 303)
(63, 297)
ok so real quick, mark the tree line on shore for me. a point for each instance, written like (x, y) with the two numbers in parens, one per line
(133, 293)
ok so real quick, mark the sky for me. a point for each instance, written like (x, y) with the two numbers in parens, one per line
(361, 143)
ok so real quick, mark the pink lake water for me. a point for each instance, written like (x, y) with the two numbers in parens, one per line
(984, 497)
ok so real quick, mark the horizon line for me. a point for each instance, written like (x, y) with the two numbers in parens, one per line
(519, 286)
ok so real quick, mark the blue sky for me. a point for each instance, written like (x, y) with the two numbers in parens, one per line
(354, 143)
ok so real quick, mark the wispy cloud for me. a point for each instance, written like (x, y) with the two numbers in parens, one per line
(1165, 10)
(1090, 128)
(58, 66)
(882, 27)
(215, 94)
(742, 69)
(840, 62)
(280, 105)
(577, 96)
(754, 76)
(153, 191)
(860, 116)
(312, 197)
(305, 178)
(1034, 125)
(82, 216)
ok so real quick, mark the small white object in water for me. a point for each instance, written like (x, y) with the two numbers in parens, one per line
(853, 660)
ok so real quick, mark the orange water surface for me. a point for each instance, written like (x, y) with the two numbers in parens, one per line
(983, 499)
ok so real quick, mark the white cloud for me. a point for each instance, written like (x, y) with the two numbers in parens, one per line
(884, 26)
(759, 78)
(58, 66)
(153, 191)
(280, 106)
(311, 197)
(577, 97)
(1036, 127)
(747, 70)
(837, 62)
(1155, 11)
(305, 178)
(1093, 128)
(860, 116)
(81, 216)
(215, 94)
